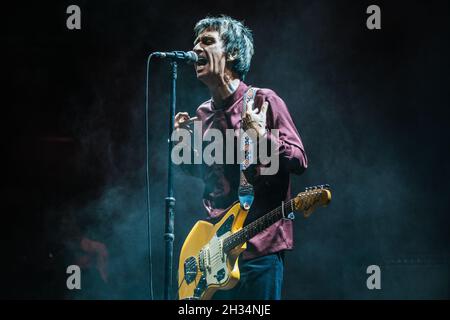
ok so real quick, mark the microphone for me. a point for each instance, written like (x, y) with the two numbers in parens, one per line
(189, 57)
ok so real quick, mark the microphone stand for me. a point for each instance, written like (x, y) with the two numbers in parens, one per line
(170, 200)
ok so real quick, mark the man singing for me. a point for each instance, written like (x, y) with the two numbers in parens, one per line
(225, 49)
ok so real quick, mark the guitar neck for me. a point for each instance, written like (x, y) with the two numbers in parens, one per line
(262, 223)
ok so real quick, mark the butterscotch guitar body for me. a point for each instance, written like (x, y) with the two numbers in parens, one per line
(204, 267)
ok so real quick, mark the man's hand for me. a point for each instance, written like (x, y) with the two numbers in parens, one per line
(181, 119)
(255, 119)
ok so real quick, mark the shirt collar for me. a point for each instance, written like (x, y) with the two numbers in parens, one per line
(233, 98)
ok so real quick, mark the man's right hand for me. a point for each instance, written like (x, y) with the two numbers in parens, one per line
(181, 120)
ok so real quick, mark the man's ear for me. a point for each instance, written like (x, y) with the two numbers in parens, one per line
(232, 56)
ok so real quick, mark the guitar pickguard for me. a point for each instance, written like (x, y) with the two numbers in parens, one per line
(216, 271)
(214, 259)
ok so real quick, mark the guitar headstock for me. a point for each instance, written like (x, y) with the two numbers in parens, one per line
(312, 198)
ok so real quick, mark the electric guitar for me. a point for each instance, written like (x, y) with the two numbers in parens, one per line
(209, 256)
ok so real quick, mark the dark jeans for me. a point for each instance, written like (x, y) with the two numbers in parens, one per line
(261, 279)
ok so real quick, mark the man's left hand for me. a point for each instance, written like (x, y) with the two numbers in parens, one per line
(255, 119)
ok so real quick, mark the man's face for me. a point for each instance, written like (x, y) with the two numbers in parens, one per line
(211, 56)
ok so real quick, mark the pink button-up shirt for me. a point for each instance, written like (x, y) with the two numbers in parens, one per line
(222, 180)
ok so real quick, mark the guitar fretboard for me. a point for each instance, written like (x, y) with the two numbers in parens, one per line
(257, 226)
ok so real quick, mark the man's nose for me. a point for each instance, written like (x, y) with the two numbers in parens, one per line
(198, 48)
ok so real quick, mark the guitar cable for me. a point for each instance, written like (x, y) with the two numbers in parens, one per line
(147, 179)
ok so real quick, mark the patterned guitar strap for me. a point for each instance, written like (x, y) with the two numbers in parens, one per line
(245, 191)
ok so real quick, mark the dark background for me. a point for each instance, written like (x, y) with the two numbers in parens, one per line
(371, 107)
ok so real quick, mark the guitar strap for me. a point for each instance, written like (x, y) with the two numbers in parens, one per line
(245, 191)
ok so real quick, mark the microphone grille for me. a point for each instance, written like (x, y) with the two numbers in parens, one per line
(191, 56)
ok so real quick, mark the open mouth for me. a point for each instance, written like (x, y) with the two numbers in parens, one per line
(202, 61)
